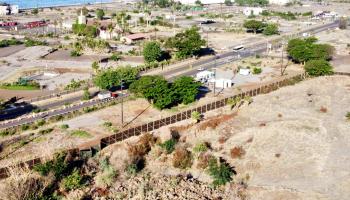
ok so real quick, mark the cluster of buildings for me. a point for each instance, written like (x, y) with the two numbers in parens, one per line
(193, 2)
(7, 9)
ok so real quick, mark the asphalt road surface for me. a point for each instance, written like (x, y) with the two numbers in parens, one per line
(206, 64)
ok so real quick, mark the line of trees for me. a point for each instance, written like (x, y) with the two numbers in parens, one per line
(314, 56)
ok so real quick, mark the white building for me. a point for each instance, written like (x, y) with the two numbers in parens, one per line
(6, 9)
(193, 2)
(248, 11)
(280, 2)
(82, 18)
(108, 35)
(222, 79)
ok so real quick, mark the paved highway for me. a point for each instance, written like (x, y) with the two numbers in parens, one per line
(232, 56)
(210, 63)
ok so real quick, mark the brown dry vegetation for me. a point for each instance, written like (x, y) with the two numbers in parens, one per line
(237, 152)
(215, 121)
(23, 183)
(182, 158)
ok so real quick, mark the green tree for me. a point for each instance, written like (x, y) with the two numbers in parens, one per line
(198, 3)
(302, 50)
(95, 66)
(253, 25)
(252, 2)
(318, 68)
(100, 14)
(86, 94)
(112, 77)
(187, 43)
(152, 51)
(84, 30)
(155, 89)
(228, 2)
(35, 11)
(185, 89)
(271, 29)
(84, 10)
(162, 3)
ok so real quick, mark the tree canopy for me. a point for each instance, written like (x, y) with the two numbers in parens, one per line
(318, 67)
(163, 94)
(186, 89)
(302, 50)
(100, 14)
(228, 2)
(112, 77)
(254, 25)
(152, 51)
(187, 43)
(252, 2)
(84, 30)
(271, 29)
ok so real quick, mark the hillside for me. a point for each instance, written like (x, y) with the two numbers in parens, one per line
(289, 144)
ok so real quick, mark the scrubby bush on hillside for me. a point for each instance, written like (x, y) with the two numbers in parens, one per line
(182, 158)
(73, 181)
(221, 172)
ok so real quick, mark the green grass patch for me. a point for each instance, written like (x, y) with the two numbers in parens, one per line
(80, 134)
(19, 87)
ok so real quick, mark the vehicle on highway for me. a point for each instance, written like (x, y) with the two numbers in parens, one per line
(200, 69)
(207, 22)
(238, 48)
(107, 94)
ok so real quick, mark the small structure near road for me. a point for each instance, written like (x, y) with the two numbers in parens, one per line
(222, 79)
(252, 11)
(130, 39)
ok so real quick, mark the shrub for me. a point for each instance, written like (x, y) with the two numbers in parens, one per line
(45, 131)
(143, 146)
(257, 70)
(221, 172)
(237, 152)
(106, 176)
(80, 134)
(8, 132)
(58, 166)
(169, 145)
(201, 147)
(203, 160)
(64, 126)
(318, 68)
(182, 158)
(25, 127)
(75, 53)
(115, 57)
(132, 169)
(196, 116)
(73, 181)
(107, 124)
(40, 122)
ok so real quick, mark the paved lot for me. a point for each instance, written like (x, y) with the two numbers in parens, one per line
(11, 50)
